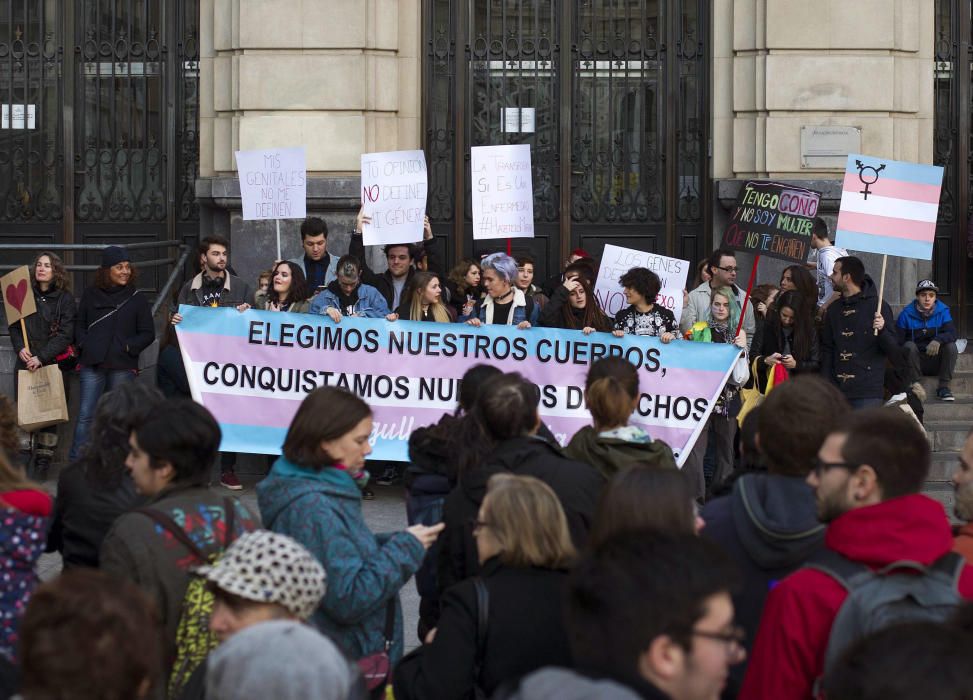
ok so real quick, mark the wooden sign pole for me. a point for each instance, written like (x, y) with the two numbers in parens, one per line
(881, 286)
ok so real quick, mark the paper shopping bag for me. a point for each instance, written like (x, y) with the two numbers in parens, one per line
(40, 398)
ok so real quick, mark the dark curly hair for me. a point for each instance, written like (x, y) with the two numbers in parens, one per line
(643, 281)
(61, 279)
(103, 278)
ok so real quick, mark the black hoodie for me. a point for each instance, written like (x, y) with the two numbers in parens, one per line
(769, 526)
(577, 485)
(852, 356)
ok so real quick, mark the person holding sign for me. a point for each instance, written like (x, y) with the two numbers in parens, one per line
(50, 331)
(401, 258)
(319, 266)
(288, 290)
(423, 301)
(504, 304)
(643, 316)
(114, 326)
(857, 337)
(724, 318)
(575, 307)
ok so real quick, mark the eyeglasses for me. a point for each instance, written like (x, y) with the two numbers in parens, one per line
(734, 639)
(728, 269)
(821, 466)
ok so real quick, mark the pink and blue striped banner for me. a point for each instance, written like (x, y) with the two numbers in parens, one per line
(253, 369)
(889, 207)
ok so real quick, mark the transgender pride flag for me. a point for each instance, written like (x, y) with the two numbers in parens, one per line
(889, 207)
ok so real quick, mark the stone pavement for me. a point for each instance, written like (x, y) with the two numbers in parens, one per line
(385, 514)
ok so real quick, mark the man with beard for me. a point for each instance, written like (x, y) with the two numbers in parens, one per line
(215, 286)
(867, 478)
(963, 508)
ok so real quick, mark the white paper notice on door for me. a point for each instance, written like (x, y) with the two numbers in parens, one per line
(18, 117)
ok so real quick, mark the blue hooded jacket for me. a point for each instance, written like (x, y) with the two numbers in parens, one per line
(371, 303)
(322, 510)
(912, 326)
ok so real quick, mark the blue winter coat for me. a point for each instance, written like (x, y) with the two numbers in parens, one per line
(371, 303)
(322, 510)
(911, 326)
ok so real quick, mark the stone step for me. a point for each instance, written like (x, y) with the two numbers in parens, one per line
(954, 411)
(942, 467)
(961, 386)
(965, 362)
(947, 436)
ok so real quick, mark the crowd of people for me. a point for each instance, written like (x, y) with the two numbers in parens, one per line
(792, 556)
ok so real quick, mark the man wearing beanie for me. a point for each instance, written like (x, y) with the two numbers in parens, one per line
(214, 286)
(927, 334)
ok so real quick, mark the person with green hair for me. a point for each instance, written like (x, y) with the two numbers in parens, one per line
(724, 317)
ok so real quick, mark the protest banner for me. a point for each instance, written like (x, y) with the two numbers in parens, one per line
(616, 261)
(503, 193)
(252, 370)
(394, 186)
(889, 207)
(273, 185)
(773, 220)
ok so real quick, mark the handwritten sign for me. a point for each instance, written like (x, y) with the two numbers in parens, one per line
(616, 261)
(18, 297)
(503, 195)
(773, 220)
(273, 183)
(394, 187)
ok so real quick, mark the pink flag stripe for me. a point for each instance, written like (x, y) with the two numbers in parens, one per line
(894, 189)
(887, 226)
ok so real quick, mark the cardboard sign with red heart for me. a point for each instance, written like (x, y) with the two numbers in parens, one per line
(18, 296)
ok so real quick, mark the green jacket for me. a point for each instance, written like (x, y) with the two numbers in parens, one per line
(611, 455)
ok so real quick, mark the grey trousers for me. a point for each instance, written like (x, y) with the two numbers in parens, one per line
(724, 429)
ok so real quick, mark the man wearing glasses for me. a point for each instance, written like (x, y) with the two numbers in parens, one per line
(867, 480)
(648, 617)
(722, 267)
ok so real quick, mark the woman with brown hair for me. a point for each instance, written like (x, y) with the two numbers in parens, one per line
(574, 306)
(114, 326)
(612, 394)
(422, 301)
(25, 515)
(464, 286)
(506, 622)
(50, 332)
(287, 291)
(645, 498)
(312, 494)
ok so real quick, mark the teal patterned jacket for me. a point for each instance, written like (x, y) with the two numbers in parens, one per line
(322, 510)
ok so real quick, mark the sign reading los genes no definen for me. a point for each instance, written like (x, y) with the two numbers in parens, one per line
(774, 220)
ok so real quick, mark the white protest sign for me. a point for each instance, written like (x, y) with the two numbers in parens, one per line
(616, 261)
(503, 195)
(273, 183)
(394, 186)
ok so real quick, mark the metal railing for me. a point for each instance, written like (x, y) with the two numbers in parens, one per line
(177, 260)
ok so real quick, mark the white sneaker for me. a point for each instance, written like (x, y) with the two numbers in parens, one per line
(895, 400)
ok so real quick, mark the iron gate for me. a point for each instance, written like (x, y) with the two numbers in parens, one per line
(613, 99)
(99, 135)
(952, 141)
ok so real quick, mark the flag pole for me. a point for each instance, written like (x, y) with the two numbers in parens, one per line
(881, 287)
(743, 310)
(278, 240)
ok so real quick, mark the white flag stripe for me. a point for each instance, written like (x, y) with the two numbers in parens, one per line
(889, 207)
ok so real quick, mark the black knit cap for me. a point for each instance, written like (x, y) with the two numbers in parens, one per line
(114, 254)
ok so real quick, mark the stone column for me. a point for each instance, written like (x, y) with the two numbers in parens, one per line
(780, 65)
(340, 77)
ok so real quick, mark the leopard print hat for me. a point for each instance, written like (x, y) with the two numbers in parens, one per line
(267, 567)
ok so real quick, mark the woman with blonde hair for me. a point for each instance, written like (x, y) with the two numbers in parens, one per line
(422, 301)
(506, 622)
